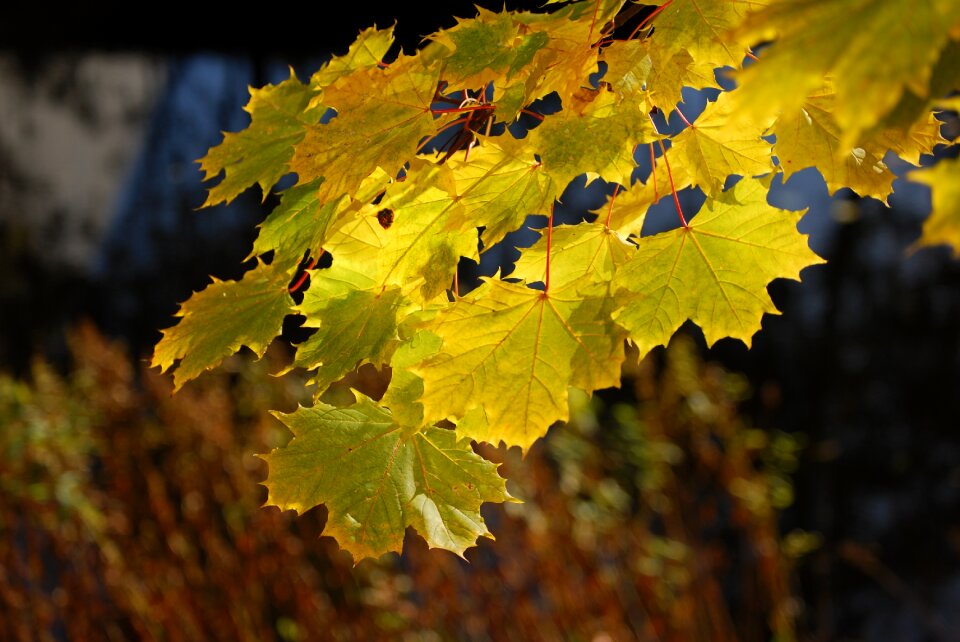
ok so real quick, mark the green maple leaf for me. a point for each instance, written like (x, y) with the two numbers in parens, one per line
(356, 321)
(513, 351)
(943, 225)
(368, 134)
(300, 224)
(891, 47)
(595, 134)
(714, 272)
(376, 478)
(221, 319)
(260, 154)
(715, 147)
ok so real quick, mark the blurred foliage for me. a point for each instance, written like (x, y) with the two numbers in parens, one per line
(127, 513)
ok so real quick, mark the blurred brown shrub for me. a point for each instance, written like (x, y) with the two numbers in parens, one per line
(128, 513)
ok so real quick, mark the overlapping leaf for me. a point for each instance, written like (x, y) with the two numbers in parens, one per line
(376, 478)
(717, 146)
(500, 362)
(714, 272)
(586, 254)
(499, 185)
(810, 137)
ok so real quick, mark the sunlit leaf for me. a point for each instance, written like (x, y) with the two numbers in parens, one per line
(376, 478)
(221, 319)
(714, 272)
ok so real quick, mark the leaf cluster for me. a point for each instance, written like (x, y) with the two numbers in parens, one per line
(408, 164)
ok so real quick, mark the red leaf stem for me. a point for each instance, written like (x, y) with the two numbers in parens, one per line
(306, 272)
(546, 279)
(673, 188)
(646, 21)
(616, 190)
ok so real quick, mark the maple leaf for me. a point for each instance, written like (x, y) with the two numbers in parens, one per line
(376, 478)
(565, 62)
(299, 224)
(221, 319)
(303, 224)
(943, 225)
(261, 153)
(691, 38)
(595, 134)
(714, 272)
(513, 351)
(891, 47)
(628, 68)
(715, 147)
(702, 28)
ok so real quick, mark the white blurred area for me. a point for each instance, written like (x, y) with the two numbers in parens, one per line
(70, 129)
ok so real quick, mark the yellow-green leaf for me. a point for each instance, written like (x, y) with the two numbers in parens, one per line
(499, 185)
(587, 253)
(714, 272)
(356, 321)
(595, 134)
(368, 133)
(221, 319)
(261, 153)
(376, 478)
(513, 351)
(810, 137)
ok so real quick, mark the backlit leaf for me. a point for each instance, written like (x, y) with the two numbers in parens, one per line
(513, 351)
(376, 478)
(261, 153)
(714, 272)
(221, 319)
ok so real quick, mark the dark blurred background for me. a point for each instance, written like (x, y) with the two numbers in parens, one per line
(128, 514)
